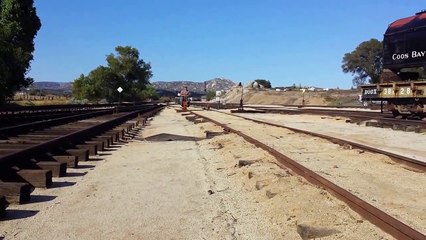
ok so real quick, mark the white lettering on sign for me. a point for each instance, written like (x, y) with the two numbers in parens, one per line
(388, 91)
(414, 54)
(400, 56)
(370, 91)
(405, 91)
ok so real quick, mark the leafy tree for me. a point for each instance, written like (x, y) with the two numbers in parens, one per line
(78, 87)
(365, 62)
(133, 73)
(150, 93)
(124, 70)
(19, 25)
(263, 82)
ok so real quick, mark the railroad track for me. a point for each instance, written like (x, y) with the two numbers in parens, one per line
(16, 115)
(30, 157)
(411, 162)
(383, 220)
(372, 117)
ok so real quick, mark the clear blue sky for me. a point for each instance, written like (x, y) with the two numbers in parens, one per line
(285, 42)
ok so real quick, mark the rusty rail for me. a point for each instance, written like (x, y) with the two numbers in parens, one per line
(414, 163)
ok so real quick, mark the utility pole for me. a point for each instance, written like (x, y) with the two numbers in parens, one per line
(241, 107)
(119, 89)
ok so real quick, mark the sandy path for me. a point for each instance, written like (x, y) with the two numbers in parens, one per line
(144, 190)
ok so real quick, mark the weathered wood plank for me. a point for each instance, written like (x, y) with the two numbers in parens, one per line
(3, 206)
(16, 192)
(36, 177)
(81, 154)
(58, 169)
(91, 147)
(105, 139)
(71, 161)
(99, 144)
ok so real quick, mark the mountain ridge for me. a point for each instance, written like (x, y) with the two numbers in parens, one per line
(215, 84)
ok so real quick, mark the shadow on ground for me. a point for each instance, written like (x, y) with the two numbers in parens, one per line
(61, 184)
(75, 174)
(41, 198)
(169, 137)
(12, 214)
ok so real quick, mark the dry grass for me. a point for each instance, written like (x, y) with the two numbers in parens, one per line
(36, 100)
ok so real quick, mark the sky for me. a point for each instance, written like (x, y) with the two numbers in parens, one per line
(286, 42)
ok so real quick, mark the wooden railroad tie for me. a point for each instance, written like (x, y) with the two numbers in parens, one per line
(81, 154)
(114, 134)
(10, 146)
(99, 144)
(58, 169)
(3, 206)
(16, 192)
(36, 177)
(70, 161)
(107, 140)
(91, 147)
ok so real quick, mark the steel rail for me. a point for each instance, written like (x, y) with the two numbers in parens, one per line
(235, 105)
(13, 130)
(395, 157)
(385, 117)
(13, 110)
(376, 216)
(22, 128)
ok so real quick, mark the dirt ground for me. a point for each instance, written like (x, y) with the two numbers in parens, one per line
(171, 182)
(292, 97)
(397, 189)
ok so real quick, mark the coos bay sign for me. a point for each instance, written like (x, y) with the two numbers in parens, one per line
(414, 54)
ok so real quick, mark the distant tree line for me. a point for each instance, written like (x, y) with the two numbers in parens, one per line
(19, 25)
(124, 70)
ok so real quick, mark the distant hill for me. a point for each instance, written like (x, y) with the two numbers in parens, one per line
(174, 87)
(163, 88)
(52, 85)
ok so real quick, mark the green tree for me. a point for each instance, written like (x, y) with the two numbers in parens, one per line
(133, 73)
(263, 82)
(19, 25)
(124, 70)
(78, 90)
(150, 93)
(365, 62)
